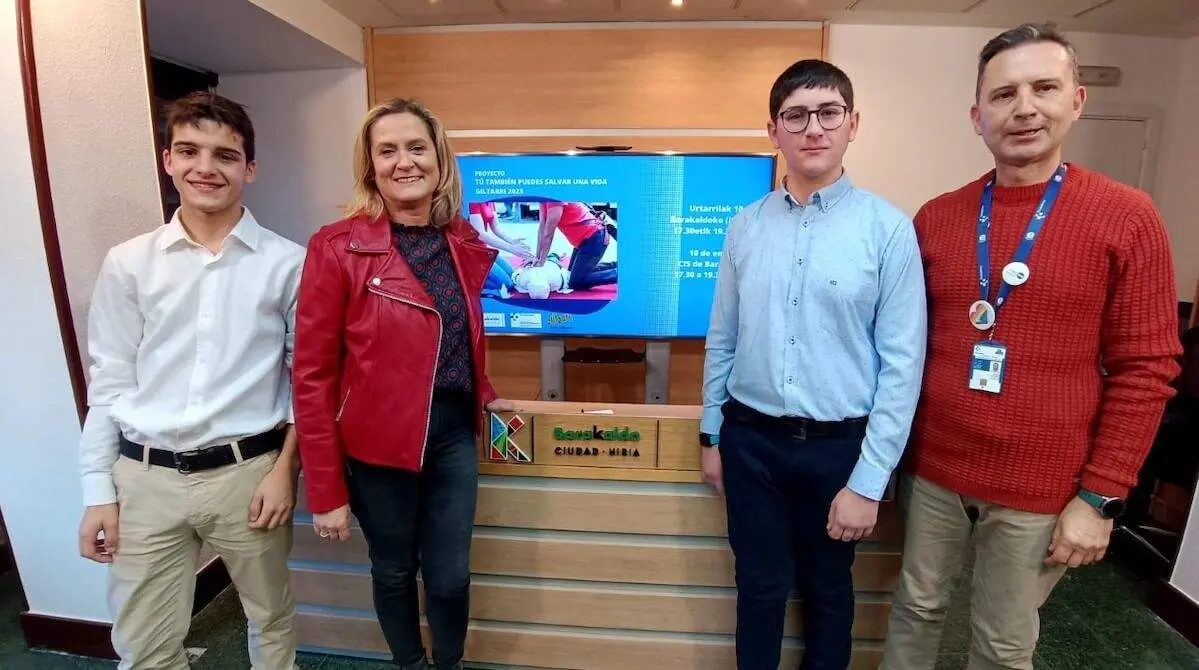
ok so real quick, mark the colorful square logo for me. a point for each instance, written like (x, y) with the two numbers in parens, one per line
(503, 447)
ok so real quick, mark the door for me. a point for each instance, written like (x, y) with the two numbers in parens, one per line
(1117, 147)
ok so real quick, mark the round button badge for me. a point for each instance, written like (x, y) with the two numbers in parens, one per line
(982, 315)
(1015, 273)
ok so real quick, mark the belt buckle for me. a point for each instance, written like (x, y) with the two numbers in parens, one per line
(181, 463)
(801, 428)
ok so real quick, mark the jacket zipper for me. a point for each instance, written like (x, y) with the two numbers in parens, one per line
(436, 356)
(342, 408)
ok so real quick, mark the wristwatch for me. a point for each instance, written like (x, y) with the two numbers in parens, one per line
(1108, 507)
(709, 440)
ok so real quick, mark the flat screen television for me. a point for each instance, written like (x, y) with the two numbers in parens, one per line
(606, 244)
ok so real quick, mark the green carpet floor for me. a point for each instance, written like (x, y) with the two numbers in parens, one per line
(1095, 620)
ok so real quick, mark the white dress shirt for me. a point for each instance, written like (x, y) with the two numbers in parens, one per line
(189, 349)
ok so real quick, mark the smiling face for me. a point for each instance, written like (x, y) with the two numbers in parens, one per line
(404, 161)
(1027, 100)
(207, 163)
(814, 153)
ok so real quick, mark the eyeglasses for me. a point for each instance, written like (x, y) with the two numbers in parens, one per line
(830, 117)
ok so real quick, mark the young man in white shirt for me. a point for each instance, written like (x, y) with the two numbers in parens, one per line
(188, 437)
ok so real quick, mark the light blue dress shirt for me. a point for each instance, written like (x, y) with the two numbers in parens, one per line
(820, 313)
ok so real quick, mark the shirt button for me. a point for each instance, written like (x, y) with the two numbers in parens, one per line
(793, 340)
(805, 224)
(790, 380)
(799, 261)
(794, 301)
(376, 281)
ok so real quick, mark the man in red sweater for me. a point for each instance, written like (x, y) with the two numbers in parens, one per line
(1053, 339)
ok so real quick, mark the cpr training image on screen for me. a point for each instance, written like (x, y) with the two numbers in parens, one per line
(548, 249)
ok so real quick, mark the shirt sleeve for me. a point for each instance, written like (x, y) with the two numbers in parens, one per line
(320, 324)
(1139, 348)
(290, 300)
(721, 342)
(114, 332)
(901, 335)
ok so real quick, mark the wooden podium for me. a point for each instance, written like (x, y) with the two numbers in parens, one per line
(597, 546)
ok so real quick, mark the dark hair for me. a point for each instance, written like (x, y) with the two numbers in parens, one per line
(206, 106)
(811, 73)
(1029, 33)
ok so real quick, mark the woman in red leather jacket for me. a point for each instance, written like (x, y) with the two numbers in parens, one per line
(389, 377)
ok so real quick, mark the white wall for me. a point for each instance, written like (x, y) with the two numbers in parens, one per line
(39, 427)
(95, 101)
(1180, 164)
(914, 86)
(304, 126)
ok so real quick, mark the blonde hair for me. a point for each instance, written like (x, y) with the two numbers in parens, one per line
(447, 196)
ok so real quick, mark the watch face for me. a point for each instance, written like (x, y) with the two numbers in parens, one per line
(1113, 508)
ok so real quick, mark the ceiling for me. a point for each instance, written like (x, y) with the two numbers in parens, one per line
(234, 36)
(1146, 17)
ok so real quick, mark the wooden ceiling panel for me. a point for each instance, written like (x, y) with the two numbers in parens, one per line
(692, 10)
(538, 10)
(366, 13)
(921, 6)
(1019, 11)
(791, 10)
(1146, 11)
(1155, 17)
(442, 9)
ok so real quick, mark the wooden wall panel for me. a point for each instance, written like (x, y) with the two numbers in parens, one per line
(657, 610)
(567, 648)
(687, 512)
(602, 511)
(662, 79)
(590, 78)
(876, 568)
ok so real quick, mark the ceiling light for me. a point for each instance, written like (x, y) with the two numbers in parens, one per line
(676, 3)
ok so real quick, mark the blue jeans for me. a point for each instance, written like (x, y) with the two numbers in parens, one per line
(499, 275)
(423, 521)
(586, 270)
(779, 483)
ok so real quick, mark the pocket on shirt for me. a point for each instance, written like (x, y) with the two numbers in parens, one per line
(847, 297)
(850, 286)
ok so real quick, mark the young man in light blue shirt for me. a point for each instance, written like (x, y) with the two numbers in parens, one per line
(814, 359)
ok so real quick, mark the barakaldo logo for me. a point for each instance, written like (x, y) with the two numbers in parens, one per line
(624, 434)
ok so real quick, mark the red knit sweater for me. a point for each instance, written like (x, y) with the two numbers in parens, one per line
(1100, 292)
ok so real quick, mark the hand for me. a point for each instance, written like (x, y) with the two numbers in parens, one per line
(333, 524)
(851, 516)
(275, 498)
(502, 405)
(1080, 536)
(713, 468)
(99, 519)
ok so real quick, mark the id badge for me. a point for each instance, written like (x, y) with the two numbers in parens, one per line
(987, 366)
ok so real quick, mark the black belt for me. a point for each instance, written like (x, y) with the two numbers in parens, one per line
(734, 410)
(208, 457)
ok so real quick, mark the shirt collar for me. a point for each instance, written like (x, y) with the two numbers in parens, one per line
(826, 197)
(247, 231)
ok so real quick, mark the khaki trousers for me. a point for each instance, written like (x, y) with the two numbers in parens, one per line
(1011, 580)
(164, 517)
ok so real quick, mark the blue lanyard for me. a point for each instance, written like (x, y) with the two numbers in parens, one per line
(1030, 234)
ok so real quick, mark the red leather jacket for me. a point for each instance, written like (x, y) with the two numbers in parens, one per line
(367, 337)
